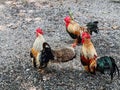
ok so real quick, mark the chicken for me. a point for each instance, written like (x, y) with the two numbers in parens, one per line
(92, 62)
(37, 45)
(41, 52)
(42, 58)
(46, 55)
(88, 54)
(63, 54)
(107, 63)
(75, 30)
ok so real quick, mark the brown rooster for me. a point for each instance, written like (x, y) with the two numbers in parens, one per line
(75, 30)
(88, 54)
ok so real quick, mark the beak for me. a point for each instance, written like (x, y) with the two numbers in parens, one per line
(64, 22)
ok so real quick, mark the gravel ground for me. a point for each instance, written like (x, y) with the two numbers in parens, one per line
(20, 18)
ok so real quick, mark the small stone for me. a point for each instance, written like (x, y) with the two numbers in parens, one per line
(45, 78)
(115, 27)
(22, 11)
(35, 80)
(32, 88)
(31, 11)
(30, 1)
(8, 2)
(27, 70)
(38, 19)
(21, 14)
(28, 19)
(2, 27)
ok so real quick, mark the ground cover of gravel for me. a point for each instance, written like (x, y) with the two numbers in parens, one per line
(20, 18)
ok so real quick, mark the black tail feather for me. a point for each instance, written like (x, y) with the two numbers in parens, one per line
(107, 63)
(46, 55)
(117, 70)
(115, 67)
(92, 27)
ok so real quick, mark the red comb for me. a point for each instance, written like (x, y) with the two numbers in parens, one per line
(67, 18)
(85, 35)
(39, 30)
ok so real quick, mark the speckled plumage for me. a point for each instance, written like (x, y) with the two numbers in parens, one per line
(63, 54)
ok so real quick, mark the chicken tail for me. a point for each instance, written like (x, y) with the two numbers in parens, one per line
(107, 63)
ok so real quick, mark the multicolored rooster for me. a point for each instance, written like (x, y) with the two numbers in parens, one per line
(75, 30)
(91, 62)
(37, 45)
(41, 52)
(88, 54)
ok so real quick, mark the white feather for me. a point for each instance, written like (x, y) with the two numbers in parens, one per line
(37, 45)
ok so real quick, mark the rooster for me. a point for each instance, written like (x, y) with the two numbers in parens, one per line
(37, 45)
(46, 55)
(75, 30)
(107, 63)
(92, 62)
(88, 54)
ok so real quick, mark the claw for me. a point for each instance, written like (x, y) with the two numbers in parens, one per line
(74, 45)
(41, 71)
(86, 68)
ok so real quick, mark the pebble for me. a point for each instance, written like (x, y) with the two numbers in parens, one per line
(27, 70)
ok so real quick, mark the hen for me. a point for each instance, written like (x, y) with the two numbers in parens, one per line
(63, 54)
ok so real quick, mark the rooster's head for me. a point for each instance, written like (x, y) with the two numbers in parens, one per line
(39, 31)
(67, 20)
(85, 35)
